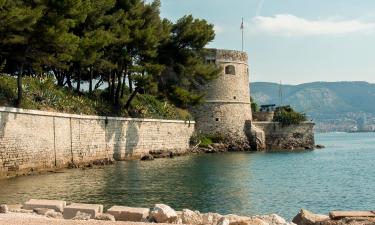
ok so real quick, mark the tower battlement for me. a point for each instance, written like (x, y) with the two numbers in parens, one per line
(223, 55)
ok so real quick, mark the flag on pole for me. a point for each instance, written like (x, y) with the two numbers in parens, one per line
(242, 28)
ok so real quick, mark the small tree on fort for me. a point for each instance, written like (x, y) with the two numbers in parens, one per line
(287, 116)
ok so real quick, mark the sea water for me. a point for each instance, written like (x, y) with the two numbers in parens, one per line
(339, 177)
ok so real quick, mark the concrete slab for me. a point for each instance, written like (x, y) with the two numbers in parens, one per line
(342, 214)
(56, 205)
(71, 210)
(123, 213)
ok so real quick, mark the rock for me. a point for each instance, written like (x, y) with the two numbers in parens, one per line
(71, 210)
(58, 206)
(335, 215)
(243, 220)
(15, 207)
(82, 216)
(223, 221)
(191, 217)
(219, 146)
(349, 221)
(211, 218)
(105, 217)
(254, 221)
(4, 208)
(42, 211)
(123, 213)
(234, 218)
(305, 217)
(54, 214)
(147, 157)
(272, 219)
(320, 146)
(163, 214)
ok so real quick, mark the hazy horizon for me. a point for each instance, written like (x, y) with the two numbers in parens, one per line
(292, 41)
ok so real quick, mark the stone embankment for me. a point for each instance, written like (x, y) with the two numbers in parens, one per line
(305, 217)
(58, 212)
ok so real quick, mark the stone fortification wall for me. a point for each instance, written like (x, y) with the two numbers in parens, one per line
(227, 105)
(278, 137)
(263, 116)
(36, 140)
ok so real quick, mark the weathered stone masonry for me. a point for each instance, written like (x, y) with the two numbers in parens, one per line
(36, 140)
(278, 137)
(226, 111)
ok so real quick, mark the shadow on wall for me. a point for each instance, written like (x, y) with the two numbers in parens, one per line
(3, 122)
(132, 138)
(123, 142)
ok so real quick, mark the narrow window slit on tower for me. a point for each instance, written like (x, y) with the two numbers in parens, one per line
(230, 69)
(217, 119)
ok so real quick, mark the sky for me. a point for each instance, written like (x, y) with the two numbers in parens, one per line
(292, 41)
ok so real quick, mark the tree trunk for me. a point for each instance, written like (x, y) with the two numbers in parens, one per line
(79, 81)
(91, 78)
(19, 86)
(98, 84)
(110, 83)
(130, 82)
(118, 89)
(113, 88)
(127, 105)
(69, 81)
(124, 81)
(60, 78)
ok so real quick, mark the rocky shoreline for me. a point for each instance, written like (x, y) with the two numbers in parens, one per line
(55, 212)
(210, 149)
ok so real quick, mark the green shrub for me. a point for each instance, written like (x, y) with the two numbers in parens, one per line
(287, 116)
(44, 94)
(205, 141)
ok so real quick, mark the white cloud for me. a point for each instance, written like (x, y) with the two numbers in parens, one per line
(290, 25)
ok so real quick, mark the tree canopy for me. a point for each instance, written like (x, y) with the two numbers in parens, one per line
(123, 46)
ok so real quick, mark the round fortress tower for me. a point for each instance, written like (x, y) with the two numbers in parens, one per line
(227, 110)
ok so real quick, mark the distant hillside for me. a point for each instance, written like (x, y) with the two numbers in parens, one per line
(322, 101)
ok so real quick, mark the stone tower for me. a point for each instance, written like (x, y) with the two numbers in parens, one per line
(227, 110)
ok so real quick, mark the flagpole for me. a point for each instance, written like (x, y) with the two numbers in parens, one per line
(242, 27)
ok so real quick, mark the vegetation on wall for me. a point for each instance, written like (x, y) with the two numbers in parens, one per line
(44, 94)
(287, 116)
(121, 46)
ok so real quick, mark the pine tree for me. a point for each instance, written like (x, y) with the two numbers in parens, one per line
(19, 20)
(183, 55)
(94, 38)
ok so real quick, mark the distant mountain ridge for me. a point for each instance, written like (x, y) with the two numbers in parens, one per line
(321, 101)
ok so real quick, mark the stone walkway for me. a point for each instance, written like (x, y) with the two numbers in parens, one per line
(31, 219)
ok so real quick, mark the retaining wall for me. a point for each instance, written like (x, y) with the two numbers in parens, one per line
(278, 137)
(35, 140)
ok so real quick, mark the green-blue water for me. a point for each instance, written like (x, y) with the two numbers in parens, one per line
(340, 177)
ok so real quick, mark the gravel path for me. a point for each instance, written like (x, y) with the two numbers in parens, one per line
(32, 219)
